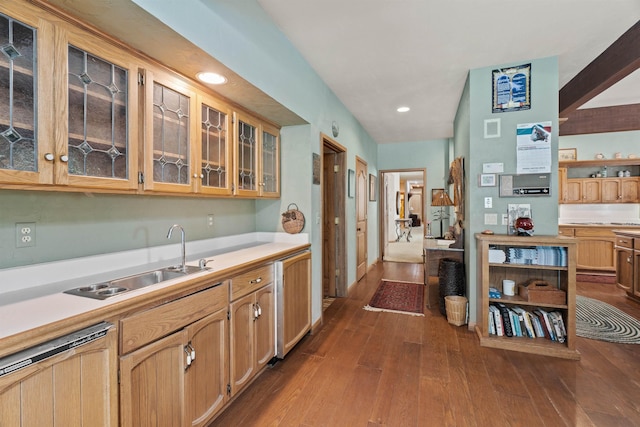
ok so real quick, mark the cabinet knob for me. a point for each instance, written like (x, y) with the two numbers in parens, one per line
(49, 157)
(629, 259)
(201, 176)
(195, 175)
(64, 158)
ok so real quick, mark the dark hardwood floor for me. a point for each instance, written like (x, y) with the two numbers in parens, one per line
(368, 368)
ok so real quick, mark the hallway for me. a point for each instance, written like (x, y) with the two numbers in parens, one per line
(382, 369)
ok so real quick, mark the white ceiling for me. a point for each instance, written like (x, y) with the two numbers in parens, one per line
(377, 55)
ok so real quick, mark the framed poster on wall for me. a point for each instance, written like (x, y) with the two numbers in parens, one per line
(511, 89)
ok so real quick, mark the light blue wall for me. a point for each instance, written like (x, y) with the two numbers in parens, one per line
(587, 146)
(430, 155)
(72, 225)
(544, 107)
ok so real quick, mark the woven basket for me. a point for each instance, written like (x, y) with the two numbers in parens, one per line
(292, 220)
(456, 309)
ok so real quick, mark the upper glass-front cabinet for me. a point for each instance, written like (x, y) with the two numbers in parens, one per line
(170, 125)
(270, 162)
(65, 108)
(215, 150)
(257, 158)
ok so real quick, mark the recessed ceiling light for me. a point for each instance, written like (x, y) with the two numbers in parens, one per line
(403, 109)
(212, 78)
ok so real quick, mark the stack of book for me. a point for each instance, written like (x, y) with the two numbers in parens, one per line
(540, 255)
(517, 322)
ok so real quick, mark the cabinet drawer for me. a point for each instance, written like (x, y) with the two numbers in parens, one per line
(625, 242)
(250, 281)
(147, 326)
(566, 231)
(594, 232)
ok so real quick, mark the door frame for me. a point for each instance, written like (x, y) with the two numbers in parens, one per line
(340, 196)
(382, 197)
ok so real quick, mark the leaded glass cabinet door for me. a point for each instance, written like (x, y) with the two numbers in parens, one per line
(101, 91)
(215, 149)
(170, 124)
(270, 162)
(247, 139)
(26, 93)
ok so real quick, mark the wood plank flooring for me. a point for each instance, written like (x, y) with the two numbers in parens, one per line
(368, 368)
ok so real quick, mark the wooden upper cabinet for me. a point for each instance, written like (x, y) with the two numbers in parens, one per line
(99, 115)
(80, 111)
(26, 96)
(247, 140)
(256, 157)
(215, 150)
(170, 124)
(68, 117)
(270, 162)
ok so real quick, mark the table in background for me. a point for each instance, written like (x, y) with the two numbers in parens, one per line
(403, 223)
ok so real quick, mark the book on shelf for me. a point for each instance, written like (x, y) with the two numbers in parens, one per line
(518, 322)
(506, 319)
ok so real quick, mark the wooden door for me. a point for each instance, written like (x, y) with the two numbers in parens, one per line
(610, 190)
(264, 333)
(242, 351)
(207, 378)
(77, 387)
(591, 191)
(296, 310)
(573, 191)
(630, 190)
(329, 225)
(152, 384)
(624, 270)
(361, 218)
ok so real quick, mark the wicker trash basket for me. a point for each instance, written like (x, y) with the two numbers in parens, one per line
(456, 309)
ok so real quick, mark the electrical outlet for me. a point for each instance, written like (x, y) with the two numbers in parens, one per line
(210, 220)
(25, 234)
(505, 219)
(488, 202)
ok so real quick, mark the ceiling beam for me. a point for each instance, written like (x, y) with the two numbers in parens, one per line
(617, 118)
(616, 62)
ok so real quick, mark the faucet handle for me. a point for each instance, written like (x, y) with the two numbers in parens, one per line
(203, 263)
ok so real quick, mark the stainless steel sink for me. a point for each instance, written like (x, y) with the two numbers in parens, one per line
(118, 286)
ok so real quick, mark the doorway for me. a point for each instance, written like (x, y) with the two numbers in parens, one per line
(403, 221)
(333, 190)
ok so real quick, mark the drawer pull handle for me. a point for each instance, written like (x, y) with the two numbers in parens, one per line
(258, 280)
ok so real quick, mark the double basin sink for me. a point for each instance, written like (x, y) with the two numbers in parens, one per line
(104, 290)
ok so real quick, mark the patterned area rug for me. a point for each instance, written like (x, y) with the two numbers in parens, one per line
(398, 297)
(600, 321)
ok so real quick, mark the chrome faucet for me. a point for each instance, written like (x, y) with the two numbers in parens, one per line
(183, 268)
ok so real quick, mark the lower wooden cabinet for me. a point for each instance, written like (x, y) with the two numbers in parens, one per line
(181, 379)
(252, 335)
(77, 387)
(294, 302)
(596, 248)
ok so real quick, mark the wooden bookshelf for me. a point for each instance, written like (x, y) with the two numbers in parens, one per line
(491, 274)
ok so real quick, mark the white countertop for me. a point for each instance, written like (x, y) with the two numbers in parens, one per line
(44, 303)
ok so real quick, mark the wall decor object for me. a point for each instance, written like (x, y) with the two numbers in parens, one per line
(492, 128)
(373, 188)
(511, 89)
(567, 154)
(316, 168)
(352, 183)
(335, 129)
(487, 180)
